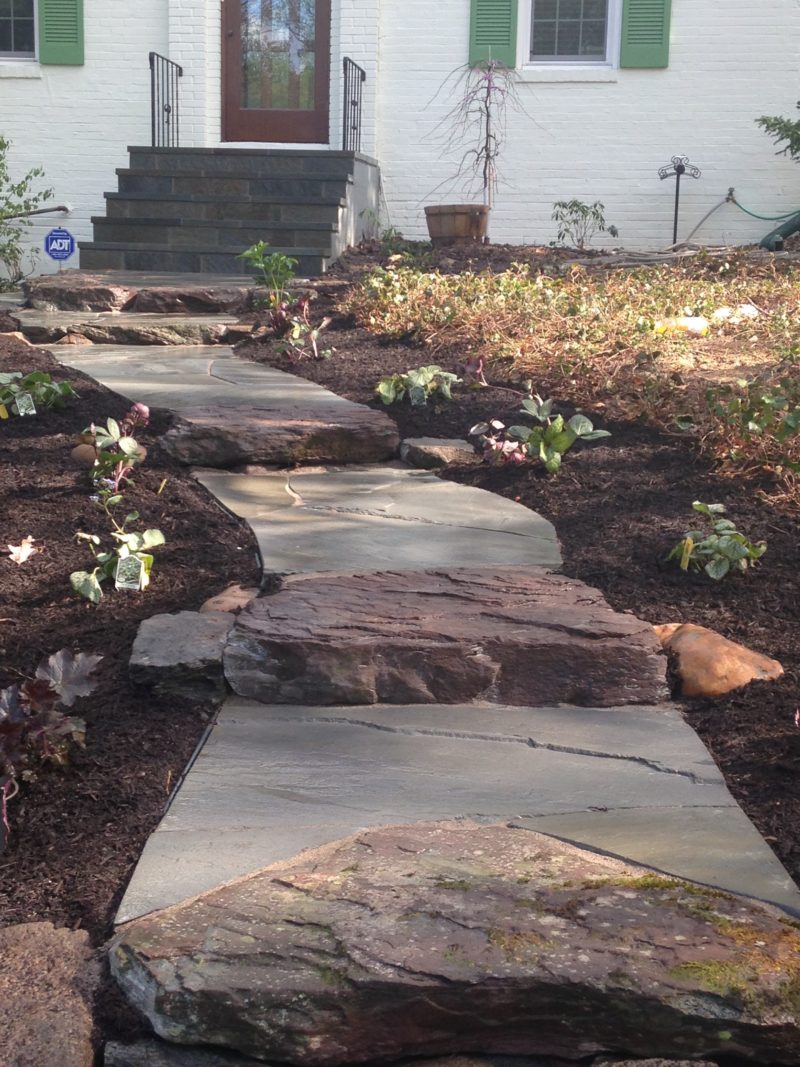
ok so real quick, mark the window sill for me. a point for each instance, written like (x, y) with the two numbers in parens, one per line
(568, 73)
(20, 68)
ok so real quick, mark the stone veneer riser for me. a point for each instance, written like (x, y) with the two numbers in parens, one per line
(180, 234)
(262, 164)
(244, 187)
(286, 209)
(113, 256)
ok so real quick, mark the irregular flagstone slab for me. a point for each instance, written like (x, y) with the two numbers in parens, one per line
(380, 517)
(230, 412)
(121, 328)
(48, 980)
(447, 937)
(513, 635)
(139, 291)
(160, 1054)
(182, 653)
(271, 781)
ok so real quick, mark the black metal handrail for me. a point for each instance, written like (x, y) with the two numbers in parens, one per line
(164, 110)
(354, 78)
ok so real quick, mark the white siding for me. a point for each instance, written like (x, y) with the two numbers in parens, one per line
(76, 122)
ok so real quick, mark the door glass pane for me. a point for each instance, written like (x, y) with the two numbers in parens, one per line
(278, 54)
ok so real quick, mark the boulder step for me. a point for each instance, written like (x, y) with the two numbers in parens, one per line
(509, 635)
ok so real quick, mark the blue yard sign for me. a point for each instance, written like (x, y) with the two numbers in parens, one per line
(59, 244)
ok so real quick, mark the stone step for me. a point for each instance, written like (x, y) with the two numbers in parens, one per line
(231, 412)
(272, 780)
(119, 255)
(387, 516)
(134, 180)
(123, 328)
(508, 635)
(182, 233)
(141, 291)
(233, 162)
(274, 209)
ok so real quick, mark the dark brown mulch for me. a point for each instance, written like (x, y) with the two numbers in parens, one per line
(619, 506)
(76, 833)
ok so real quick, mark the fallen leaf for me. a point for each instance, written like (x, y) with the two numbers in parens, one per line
(22, 552)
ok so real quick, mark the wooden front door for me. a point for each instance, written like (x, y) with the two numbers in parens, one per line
(276, 70)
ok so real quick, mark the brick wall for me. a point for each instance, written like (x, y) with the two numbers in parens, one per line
(77, 122)
(730, 61)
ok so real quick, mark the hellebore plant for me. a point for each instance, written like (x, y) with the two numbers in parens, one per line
(719, 553)
(117, 450)
(546, 443)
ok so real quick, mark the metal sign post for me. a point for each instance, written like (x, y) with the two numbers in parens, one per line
(677, 167)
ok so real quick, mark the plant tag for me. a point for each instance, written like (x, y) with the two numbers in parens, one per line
(3, 411)
(130, 574)
(25, 404)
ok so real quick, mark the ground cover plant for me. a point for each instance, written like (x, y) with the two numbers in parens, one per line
(596, 337)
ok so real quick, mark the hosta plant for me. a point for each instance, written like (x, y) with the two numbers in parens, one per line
(33, 727)
(418, 385)
(39, 385)
(720, 550)
(545, 443)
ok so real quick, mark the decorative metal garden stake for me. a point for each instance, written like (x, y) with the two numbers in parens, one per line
(678, 166)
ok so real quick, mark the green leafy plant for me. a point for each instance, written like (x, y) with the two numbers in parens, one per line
(418, 385)
(784, 132)
(17, 200)
(292, 326)
(128, 544)
(759, 421)
(546, 442)
(33, 728)
(117, 451)
(721, 552)
(579, 222)
(276, 271)
(38, 385)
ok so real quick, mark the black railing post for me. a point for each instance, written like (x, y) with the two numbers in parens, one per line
(164, 105)
(354, 78)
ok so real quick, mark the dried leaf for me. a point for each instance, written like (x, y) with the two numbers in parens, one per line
(69, 675)
(20, 553)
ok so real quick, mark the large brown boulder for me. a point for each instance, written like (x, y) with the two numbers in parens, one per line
(220, 435)
(509, 635)
(450, 937)
(710, 665)
(47, 982)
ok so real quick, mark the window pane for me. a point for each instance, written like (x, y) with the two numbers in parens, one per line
(5, 35)
(23, 9)
(569, 9)
(23, 35)
(594, 9)
(544, 9)
(593, 40)
(569, 38)
(544, 40)
(278, 54)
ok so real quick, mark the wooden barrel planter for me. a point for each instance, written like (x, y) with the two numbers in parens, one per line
(457, 224)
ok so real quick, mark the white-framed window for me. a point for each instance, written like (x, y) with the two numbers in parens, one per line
(17, 29)
(570, 32)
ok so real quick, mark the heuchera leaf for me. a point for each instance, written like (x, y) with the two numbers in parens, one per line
(69, 675)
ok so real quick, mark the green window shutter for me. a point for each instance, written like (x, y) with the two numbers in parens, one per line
(493, 32)
(61, 32)
(645, 33)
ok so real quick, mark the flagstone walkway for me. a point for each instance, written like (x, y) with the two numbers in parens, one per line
(271, 779)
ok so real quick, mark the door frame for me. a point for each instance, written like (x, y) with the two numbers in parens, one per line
(281, 126)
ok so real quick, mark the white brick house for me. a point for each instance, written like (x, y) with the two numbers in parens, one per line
(609, 91)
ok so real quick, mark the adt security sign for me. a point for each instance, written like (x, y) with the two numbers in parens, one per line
(59, 244)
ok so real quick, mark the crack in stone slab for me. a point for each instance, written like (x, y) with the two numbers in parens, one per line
(330, 509)
(529, 742)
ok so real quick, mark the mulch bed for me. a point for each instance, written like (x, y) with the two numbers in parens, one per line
(77, 832)
(619, 506)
